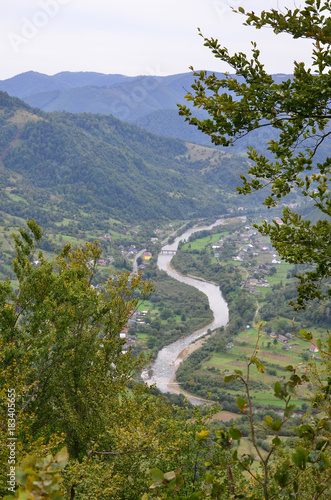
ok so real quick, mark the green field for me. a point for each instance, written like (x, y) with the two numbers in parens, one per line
(273, 356)
(203, 242)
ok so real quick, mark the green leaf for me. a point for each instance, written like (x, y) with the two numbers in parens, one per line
(300, 457)
(260, 367)
(322, 443)
(269, 420)
(241, 403)
(305, 431)
(157, 477)
(230, 378)
(279, 390)
(169, 476)
(276, 441)
(235, 433)
(306, 335)
(62, 457)
(276, 425)
(179, 480)
(289, 411)
(282, 474)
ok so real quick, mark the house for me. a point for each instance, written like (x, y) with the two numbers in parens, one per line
(147, 256)
(282, 339)
(313, 348)
(253, 282)
(229, 345)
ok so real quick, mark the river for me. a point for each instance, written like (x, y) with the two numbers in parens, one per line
(167, 359)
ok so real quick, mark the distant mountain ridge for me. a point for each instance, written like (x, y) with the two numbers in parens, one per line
(148, 101)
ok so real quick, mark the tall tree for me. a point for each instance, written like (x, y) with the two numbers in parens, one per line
(298, 109)
(67, 385)
(61, 353)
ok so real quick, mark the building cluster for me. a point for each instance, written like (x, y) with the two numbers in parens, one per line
(282, 339)
(136, 318)
(250, 248)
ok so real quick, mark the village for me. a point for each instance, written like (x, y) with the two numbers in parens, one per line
(245, 247)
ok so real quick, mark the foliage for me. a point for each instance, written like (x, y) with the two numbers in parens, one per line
(298, 110)
(62, 355)
(40, 478)
(301, 472)
(61, 351)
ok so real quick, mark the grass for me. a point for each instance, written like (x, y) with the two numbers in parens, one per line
(201, 243)
(274, 358)
(142, 336)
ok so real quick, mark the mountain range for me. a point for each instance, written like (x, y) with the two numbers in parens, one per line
(147, 101)
(91, 166)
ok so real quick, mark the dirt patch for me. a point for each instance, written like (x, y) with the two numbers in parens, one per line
(279, 357)
(184, 354)
(173, 384)
(236, 363)
(225, 415)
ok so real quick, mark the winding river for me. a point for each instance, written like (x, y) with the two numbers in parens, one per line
(168, 358)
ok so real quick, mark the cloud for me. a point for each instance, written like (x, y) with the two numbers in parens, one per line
(129, 36)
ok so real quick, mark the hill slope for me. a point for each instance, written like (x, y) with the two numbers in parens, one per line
(55, 164)
(148, 101)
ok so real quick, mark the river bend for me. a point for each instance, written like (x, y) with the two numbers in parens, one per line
(167, 359)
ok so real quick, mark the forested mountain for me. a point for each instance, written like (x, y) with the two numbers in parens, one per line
(148, 101)
(55, 164)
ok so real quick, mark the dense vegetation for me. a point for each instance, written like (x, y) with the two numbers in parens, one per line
(90, 167)
(77, 423)
(84, 428)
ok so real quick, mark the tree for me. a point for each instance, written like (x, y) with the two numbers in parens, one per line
(61, 356)
(69, 392)
(298, 110)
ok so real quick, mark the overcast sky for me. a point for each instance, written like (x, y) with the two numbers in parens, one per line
(134, 37)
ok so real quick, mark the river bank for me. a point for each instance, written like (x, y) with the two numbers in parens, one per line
(168, 358)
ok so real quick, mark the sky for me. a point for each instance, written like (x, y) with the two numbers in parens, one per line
(135, 37)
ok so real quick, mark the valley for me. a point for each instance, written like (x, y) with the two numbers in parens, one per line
(114, 200)
(89, 177)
